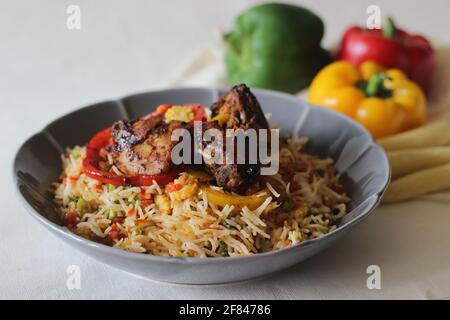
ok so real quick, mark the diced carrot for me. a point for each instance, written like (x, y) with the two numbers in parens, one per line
(163, 108)
(172, 187)
(131, 212)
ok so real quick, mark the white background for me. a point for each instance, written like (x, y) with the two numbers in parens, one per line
(130, 46)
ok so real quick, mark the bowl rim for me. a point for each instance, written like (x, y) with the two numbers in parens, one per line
(70, 236)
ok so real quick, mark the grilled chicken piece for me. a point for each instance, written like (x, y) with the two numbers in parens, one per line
(244, 112)
(144, 146)
(242, 107)
(232, 177)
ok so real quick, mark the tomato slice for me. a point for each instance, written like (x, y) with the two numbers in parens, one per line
(92, 169)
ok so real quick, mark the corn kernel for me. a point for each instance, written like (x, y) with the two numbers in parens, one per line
(162, 203)
(179, 113)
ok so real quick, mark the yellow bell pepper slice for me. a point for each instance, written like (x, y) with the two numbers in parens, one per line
(221, 118)
(200, 175)
(221, 199)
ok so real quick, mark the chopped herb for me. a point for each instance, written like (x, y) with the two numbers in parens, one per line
(111, 187)
(223, 249)
(73, 199)
(136, 232)
(112, 214)
(104, 209)
(225, 224)
(77, 153)
(82, 205)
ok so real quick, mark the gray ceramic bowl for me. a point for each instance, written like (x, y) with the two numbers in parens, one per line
(364, 164)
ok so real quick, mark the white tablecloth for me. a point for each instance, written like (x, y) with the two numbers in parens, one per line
(47, 70)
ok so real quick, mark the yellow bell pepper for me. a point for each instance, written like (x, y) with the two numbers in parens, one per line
(221, 199)
(386, 102)
(200, 175)
(221, 118)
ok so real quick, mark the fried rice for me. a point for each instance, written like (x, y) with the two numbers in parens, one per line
(304, 200)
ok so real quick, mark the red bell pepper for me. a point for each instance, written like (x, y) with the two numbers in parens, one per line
(392, 48)
(91, 166)
(199, 112)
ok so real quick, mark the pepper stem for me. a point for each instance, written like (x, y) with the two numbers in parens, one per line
(389, 28)
(374, 84)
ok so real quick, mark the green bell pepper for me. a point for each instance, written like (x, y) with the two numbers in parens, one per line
(275, 46)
